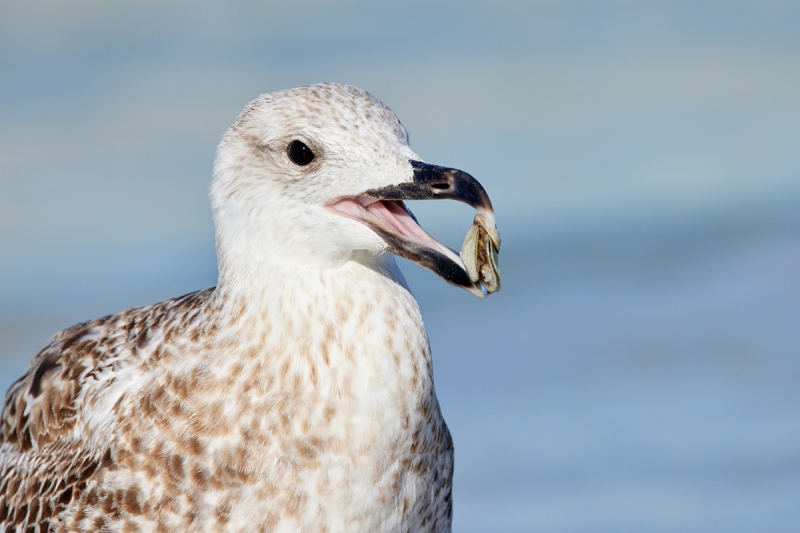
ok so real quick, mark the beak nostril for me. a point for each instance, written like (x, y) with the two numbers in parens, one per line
(441, 186)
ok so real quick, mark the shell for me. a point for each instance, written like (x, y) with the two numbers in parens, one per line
(479, 254)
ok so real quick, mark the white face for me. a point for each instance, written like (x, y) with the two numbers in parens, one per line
(271, 208)
(316, 176)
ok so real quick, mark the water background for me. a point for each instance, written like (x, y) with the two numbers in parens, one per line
(640, 369)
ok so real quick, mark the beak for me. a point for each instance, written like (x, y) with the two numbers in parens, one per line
(383, 211)
(432, 182)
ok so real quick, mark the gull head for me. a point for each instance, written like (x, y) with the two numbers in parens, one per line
(317, 176)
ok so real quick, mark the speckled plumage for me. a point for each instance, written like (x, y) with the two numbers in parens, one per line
(296, 396)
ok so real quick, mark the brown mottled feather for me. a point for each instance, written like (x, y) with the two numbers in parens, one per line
(46, 466)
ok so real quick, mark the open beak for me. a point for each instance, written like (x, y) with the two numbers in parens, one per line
(384, 212)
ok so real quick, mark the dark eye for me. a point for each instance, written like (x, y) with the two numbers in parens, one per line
(299, 153)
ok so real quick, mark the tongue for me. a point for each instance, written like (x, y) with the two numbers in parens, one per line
(393, 215)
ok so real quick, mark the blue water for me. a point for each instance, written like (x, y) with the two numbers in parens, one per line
(640, 369)
(616, 390)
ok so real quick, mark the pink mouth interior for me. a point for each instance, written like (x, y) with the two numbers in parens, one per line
(388, 214)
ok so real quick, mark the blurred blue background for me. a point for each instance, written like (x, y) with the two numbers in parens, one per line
(640, 369)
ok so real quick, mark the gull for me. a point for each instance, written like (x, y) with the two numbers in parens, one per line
(296, 395)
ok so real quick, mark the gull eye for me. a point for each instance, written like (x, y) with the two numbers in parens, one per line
(299, 153)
